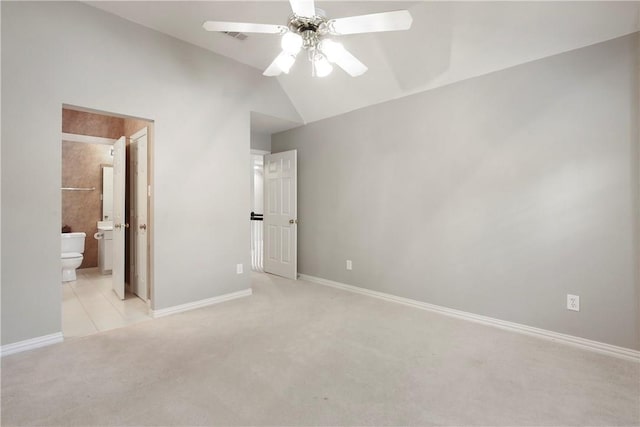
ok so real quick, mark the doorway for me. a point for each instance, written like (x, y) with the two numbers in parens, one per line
(105, 201)
(274, 210)
(257, 208)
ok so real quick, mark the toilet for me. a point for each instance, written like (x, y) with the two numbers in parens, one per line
(71, 258)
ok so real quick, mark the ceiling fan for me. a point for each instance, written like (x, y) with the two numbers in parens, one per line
(308, 28)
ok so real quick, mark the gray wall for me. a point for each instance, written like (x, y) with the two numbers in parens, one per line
(497, 195)
(261, 141)
(68, 52)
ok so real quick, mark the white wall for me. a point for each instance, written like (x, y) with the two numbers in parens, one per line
(58, 52)
(257, 183)
(498, 195)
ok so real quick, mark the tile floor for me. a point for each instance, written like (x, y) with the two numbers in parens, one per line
(89, 305)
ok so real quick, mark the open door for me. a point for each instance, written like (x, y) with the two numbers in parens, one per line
(119, 220)
(280, 214)
(139, 200)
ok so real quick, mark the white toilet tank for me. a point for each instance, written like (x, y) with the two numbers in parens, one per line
(73, 242)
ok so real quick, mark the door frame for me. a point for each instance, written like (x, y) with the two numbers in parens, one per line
(150, 182)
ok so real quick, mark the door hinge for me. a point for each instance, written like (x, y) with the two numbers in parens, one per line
(148, 191)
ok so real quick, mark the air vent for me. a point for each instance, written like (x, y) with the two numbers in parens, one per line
(235, 35)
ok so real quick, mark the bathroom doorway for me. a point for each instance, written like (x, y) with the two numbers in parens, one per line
(105, 201)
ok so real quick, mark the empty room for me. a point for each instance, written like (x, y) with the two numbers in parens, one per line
(305, 212)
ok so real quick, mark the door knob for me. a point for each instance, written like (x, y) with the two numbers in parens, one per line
(143, 226)
(293, 221)
(117, 226)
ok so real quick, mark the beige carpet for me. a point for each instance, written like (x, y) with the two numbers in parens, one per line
(297, 353)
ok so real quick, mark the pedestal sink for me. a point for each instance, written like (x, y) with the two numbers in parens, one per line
(105, 246)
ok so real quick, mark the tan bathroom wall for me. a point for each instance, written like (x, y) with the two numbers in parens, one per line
(81, 167)
(81, 210)
(132, 126)
(82, 123)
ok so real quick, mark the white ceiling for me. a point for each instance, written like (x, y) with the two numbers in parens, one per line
(448, 42)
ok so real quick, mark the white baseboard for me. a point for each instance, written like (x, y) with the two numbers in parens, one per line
(30, 344)
(599, 347)
(198, 304)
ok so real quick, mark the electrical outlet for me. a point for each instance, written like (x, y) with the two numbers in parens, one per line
(239, 268)
(573, 302)
(349, 265)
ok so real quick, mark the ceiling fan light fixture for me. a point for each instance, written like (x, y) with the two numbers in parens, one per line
(337, 54)
(291, 43)
(285, 61)
(332, 50)
(321, 65)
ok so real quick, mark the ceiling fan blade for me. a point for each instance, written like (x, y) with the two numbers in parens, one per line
(375, 22)
(243, 27)
(303, 7)
(351, 64)
(336, 53)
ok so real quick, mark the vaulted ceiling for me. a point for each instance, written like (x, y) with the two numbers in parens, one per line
(448, 42)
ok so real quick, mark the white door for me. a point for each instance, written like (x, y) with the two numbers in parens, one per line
(132, 162)
(119, 219)
(280, 214)
(139, 144)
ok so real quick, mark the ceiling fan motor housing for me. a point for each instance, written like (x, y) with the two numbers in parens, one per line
(311, 29)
